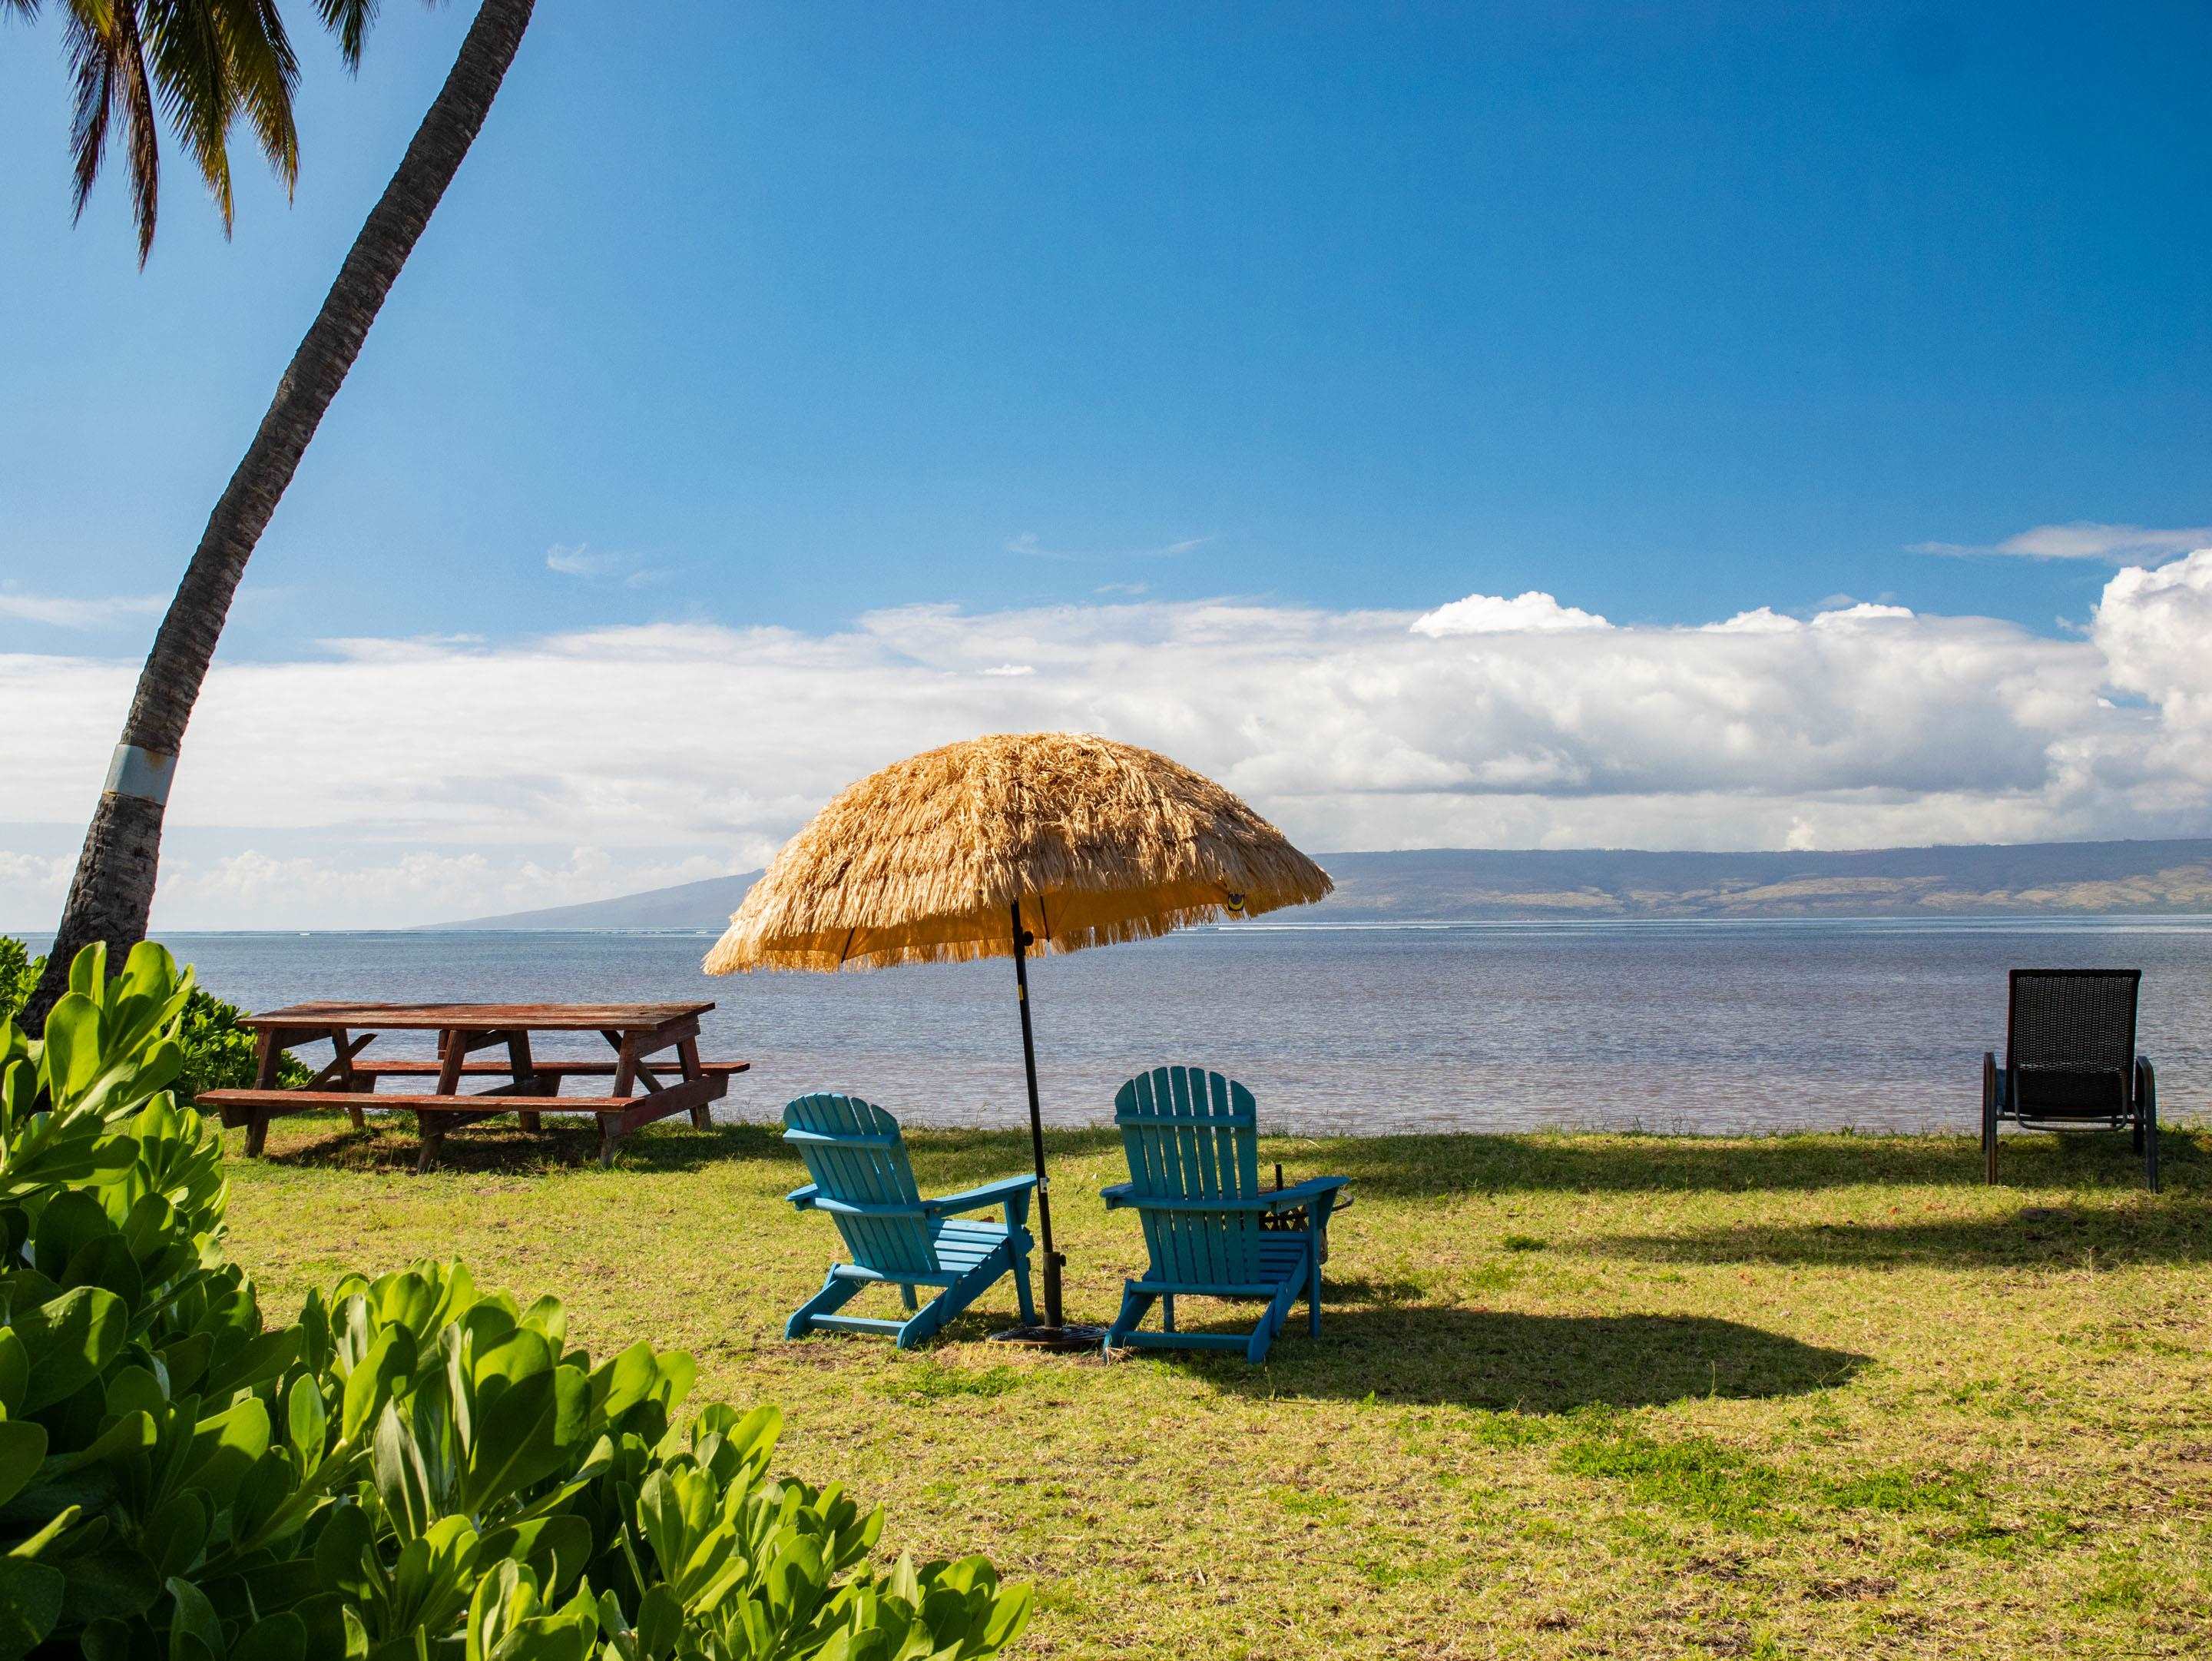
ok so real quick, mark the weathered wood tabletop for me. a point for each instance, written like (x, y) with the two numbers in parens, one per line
(635, 1032)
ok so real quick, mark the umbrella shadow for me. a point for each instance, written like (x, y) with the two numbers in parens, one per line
(1431, 1355)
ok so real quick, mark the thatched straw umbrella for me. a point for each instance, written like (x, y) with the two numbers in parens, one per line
(1006, 845)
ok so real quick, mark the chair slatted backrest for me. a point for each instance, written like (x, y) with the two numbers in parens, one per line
(2070, 1040)
(1191, 1134)
(855, 1153)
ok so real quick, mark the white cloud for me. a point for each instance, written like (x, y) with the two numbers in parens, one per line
(1863, 612)
(2116, 544)
(697, 747)
(577, 559)
(1031, 546)
(61, 611)
(1761, 620)
(1494, 614)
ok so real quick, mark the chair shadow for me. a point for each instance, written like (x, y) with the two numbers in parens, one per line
(2161, 1231)
(1434, 1356)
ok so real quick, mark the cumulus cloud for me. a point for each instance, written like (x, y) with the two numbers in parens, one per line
(2114, 545)
(1494, 614)
(1492, 721)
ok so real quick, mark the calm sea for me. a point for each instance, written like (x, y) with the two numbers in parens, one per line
(1705, 1026)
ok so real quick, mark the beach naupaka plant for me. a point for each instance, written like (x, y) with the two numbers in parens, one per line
(211, 64)
(415, 1467)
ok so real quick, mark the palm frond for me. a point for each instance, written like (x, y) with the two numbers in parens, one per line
(263, 72)
(191, 71)
(348, 20)
(108, 61)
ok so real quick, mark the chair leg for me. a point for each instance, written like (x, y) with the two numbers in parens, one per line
(1167, 1312)
(1991, 1088)
(1313, 1298)
(907, 1297)
(1135, 1306)
(835, 1293)
(1271, 1321)
(2146, 1121)
(955, 1297)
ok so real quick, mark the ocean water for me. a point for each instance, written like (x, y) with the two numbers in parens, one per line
(1678, 1026)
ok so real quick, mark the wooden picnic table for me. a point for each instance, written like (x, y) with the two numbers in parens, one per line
(636, 1032)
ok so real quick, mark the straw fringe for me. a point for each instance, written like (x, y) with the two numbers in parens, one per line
(1099, 841)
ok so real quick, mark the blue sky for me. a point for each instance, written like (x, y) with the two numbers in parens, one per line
(788, 315)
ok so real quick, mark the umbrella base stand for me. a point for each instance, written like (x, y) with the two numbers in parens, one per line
(1066, 1338)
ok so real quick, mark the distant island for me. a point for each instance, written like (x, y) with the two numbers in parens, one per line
(1467, 884)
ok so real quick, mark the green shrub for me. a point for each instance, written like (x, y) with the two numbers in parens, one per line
(218, 1045)
(19, 974)
(415, 1468)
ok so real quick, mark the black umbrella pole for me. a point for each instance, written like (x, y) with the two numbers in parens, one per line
(1052, 1258)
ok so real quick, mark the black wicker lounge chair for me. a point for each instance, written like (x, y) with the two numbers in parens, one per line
(2070, 1063)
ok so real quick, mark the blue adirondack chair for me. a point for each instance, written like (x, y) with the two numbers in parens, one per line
(1193, 1182)
(854, 1152)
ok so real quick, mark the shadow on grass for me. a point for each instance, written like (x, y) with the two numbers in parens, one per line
(389, 1145)
(2162, 1229)
(1415, 1167)
(942, 1160)
(1534, 1363)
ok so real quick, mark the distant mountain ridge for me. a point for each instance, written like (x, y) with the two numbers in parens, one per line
(1443, 885)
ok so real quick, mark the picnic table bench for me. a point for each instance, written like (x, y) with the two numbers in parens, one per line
(643, 1089)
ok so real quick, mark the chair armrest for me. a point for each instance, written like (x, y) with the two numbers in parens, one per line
(1013, 1191)
(802, 1199)
(848, 1208)
(1321, 1191)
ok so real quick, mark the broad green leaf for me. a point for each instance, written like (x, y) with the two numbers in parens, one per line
(23, 1447)
(30, 1604)
(225, 1446)
(68, 1340)
(401, 1481)
(195, 1633)
(305, 1426)
(273, 1638)
(14, 1371)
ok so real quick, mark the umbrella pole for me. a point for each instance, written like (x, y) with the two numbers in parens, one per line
(1052, 1258)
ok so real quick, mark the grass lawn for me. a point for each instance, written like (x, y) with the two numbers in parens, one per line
(1575, 1396)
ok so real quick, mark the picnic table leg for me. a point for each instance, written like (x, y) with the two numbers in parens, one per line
(525, 1075)
(610, 1133)
(429, 1135)
(343, 1050)
(268, 1056)
(452, 1050)
(625, 1062)
(687, 1054)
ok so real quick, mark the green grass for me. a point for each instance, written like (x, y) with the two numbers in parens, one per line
(1575, 1396)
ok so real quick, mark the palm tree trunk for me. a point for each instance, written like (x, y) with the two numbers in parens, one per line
(113, 889)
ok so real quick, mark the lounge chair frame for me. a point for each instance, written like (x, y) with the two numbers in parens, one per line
(2070, 1063)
